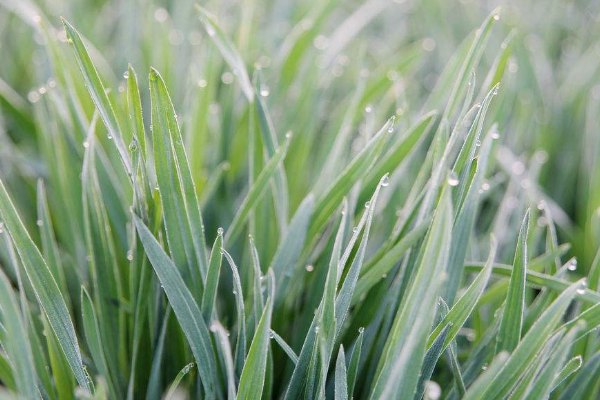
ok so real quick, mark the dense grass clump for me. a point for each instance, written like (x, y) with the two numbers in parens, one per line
(299, 200)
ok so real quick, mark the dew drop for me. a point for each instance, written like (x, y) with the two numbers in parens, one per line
(485, 367)
(220, 231)
(39, 222)
(385, 180)
(368, 204)
(86, 144)
(126, 74)
(130, 255)
(478, 143)
(109, 136)
(264, 90)
(573, 265)
(355, 229)
(368, 109)
(452, 179)
(310, 268)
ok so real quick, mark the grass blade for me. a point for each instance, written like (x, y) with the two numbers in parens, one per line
(45, 287)
(512, 315)
(186, 310)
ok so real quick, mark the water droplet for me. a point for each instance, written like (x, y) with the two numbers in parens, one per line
(69, 40)
(289, 134)
(264, 90)
(310, 268)
(202, 83)
(485, 186)
(368, 109)
(234, 292)
(452, 179)
(316, 329)
(109, 136)
(126, 74)
(133, 146)
(484, 367)
(161, 15)
(213, 327)
(385, 180)
(580, 291)
(573, 265)
(33, 96)
(496, 17)
(368, 204)
(227, 78)
(355, 229)
(361, 329)
(478, 143)
(384, 276)
(39, 222)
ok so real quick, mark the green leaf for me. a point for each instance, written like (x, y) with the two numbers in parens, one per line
(98, 93)
(354, 362)
(512, 316)
(186, 310)
(341, 385)
(402, 358)
(256, 191)
(531, 343)
(285, 347)
(291, 246)
(46, 290)
(184, 371)
(358, 168)
(212, 279)
(253, 375)
(15, 342)
(93, 337)
(183, 219)
(463, 308)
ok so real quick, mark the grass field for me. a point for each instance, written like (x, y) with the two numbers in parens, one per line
(317, 199)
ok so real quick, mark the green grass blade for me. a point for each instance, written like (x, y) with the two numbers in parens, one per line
(354, 362)
(253, 376)
(430, 360)
(45, 287)
(240, 351)
(531, 343)
(15, 342)
(405, 348)
(357, 169)
(465, 305)
(98, 93)
(512, 315)
(285, 347)
(173, 388)
(256, 191)
(185, 308)
(341, 384)
(291, 246)
(93, 337)
(212, 279)
(183, 218)
(223, 339)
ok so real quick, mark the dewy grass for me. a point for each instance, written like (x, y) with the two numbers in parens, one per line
(299, 200)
